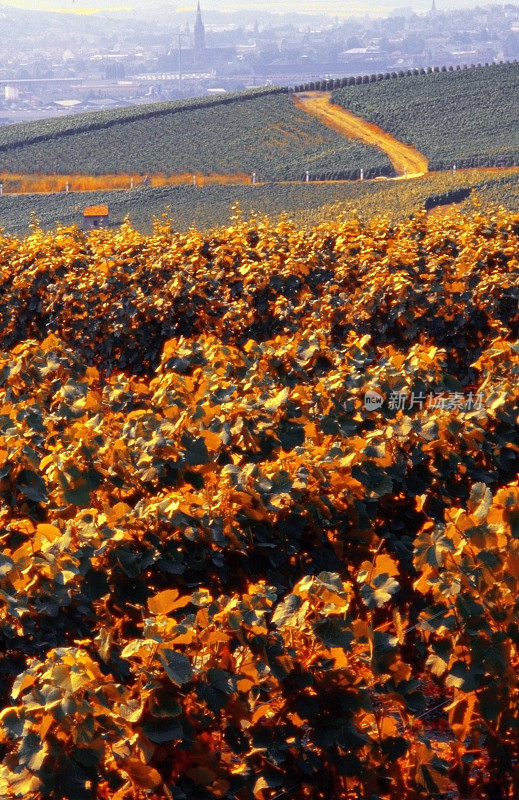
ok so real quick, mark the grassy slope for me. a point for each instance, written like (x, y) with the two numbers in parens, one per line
(266, 134)
(212, 205)
(469, 117)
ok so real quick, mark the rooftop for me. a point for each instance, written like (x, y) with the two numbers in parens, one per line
(95, 211)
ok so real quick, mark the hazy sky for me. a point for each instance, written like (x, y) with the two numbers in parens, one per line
(332, 7)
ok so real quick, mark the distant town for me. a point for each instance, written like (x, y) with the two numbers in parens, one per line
(56, 64)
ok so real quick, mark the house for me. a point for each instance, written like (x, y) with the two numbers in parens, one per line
(95, 217)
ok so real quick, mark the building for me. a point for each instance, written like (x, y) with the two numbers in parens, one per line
(95, 217)
(198, 57)
(199, 38)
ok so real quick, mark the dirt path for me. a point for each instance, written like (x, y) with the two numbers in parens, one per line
(407, 161)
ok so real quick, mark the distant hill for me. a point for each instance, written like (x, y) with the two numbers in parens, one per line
(468, 117)
(259, 131)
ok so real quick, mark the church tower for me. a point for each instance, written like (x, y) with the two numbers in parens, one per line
(199, 36)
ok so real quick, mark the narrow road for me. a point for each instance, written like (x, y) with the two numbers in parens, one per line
(407, 161)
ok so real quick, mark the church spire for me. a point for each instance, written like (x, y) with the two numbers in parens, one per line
(199, 32)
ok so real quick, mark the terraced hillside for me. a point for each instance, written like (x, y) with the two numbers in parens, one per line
(255, 131)
(467, 117)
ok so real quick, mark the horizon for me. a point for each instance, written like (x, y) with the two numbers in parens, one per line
(334, 8)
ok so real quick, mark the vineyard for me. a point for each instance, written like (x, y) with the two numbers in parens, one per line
(210, 206)
(260, 511)
(255, 131)
(467, 117)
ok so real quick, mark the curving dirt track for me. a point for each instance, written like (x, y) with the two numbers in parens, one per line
(407, 161)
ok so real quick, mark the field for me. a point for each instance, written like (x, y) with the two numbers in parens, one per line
(260, 511)
(261, 132)
(467, 117)
(211, 206)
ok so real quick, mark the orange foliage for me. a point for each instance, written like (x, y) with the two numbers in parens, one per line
(47, 184)
(222, 575)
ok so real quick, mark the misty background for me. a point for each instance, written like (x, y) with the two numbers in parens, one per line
(63, 57)
(313, 7)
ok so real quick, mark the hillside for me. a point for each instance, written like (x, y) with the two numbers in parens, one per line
(260, 513)
(258, 131)
(211, 206)
(467, 117)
